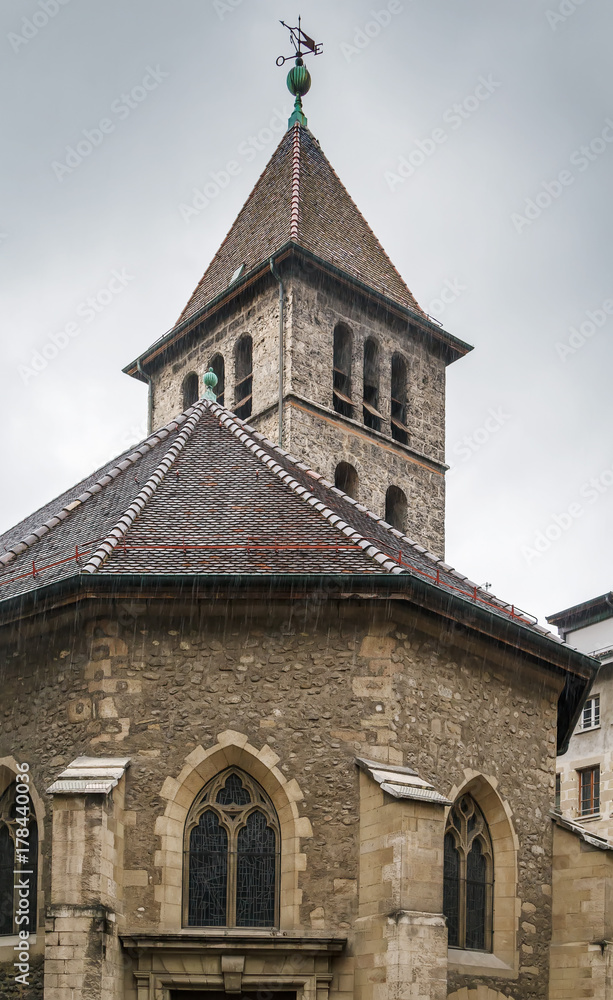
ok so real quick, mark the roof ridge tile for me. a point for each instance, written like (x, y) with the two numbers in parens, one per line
(38, 533)
(127, 519)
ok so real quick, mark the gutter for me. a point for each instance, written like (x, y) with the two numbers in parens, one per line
(278, 278)
(403, 312)
(149, 381)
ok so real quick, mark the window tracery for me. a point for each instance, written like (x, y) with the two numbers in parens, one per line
(232, 855)
(468, 877)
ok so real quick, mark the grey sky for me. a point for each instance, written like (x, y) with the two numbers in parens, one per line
(527, 428)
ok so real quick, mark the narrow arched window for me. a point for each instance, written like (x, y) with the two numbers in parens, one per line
(468, 882)
(243, 386)
(399, 399)
(231, 855)
(346, 479)
(341, 382)
(396, 508)
(190, 390)
(370, 398)
(219, 367)
(18, 854)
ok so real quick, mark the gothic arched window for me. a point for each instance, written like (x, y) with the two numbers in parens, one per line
(468, 877)
(17, 814)
(231, 855)
(190, 390)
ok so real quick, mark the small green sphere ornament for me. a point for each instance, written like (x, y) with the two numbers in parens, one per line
(210, 381)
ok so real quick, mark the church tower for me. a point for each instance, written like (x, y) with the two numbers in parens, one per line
(317, 342)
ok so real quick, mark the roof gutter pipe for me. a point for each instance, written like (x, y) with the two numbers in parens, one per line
(149, 382)
(278, 278)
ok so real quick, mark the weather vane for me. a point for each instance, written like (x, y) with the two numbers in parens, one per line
(301, 42)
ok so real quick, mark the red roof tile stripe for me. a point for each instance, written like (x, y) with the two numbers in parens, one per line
(295, 185)
(127, 520)
(38, 533)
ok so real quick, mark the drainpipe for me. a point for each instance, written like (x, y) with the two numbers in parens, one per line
(278, 278)
(149, 382)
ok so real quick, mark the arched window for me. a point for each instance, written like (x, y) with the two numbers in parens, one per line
(396, 508)
(341, 382)
(231, 855)
(219, 367)
(17, 853)
(468, 877)
(370, 400)
(243, 387)
(346, 479)
(399, 399)
(190, 390)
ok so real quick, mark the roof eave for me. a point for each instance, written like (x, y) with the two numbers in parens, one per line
(584, 614)
(579, 668)
(455, 347)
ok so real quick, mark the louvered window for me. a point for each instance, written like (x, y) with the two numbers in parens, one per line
(399, 399)
(219, 367)
(243, 387)
(370, 396)
(341, 381)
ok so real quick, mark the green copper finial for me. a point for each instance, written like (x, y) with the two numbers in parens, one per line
(299, 78)
(210, 381)
(298, 84)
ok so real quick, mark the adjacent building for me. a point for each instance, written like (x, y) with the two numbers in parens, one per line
(584, 778)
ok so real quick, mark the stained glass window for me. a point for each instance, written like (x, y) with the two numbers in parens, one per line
(468, 888)
(231, 855)
(10, 821)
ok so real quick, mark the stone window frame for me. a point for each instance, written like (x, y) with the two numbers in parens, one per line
(205, 802)
(464, 839)
(232, 749)
(503, 960)
(9, 774)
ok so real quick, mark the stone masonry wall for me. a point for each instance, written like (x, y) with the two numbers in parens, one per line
(313, 431)
(317, 684)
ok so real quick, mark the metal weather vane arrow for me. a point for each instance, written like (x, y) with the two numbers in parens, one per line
(302, 43)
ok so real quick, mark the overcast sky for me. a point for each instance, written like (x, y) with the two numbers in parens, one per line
(477, 139)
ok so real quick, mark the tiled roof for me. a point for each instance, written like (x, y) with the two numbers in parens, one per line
(300, 198)
(208, 495)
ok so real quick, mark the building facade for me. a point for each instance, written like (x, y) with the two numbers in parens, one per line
(257, 737)
(584, 779)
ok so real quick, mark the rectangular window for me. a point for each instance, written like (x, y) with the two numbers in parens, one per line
(558, 790)
(589, 791)
(590, 717)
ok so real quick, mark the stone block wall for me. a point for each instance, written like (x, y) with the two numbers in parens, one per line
(312, 430)
(581, 950)
(309, 685)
